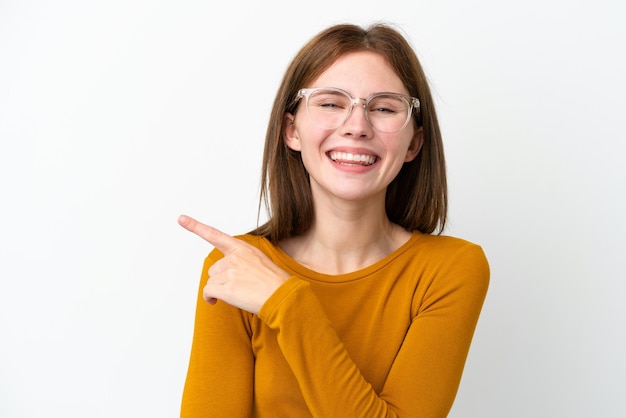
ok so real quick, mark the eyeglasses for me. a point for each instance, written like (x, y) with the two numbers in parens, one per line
(330, 107)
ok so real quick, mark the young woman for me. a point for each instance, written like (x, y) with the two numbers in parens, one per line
(348, 301)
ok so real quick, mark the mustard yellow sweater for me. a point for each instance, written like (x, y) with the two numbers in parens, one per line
(389, 340)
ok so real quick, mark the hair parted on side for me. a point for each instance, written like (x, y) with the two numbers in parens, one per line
(416, 199)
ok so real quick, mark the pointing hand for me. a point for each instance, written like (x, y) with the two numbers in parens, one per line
(245, 277)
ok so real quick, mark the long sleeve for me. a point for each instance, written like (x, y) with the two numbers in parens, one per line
(426, 374)
(427, 369)
(331, 383)
(390, 340)
(221, 366)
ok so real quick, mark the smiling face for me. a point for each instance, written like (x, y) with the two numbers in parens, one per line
(353, 162)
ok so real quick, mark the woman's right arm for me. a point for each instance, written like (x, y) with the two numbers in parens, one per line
(221, 366)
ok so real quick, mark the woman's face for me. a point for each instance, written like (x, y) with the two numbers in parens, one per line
(353, 162)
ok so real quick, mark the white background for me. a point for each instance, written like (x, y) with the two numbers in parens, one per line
(117, 116)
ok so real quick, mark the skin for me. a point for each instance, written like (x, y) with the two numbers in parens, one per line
(244, 278)
(350, 230)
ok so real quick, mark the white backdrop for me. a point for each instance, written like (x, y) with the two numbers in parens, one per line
(117, 116)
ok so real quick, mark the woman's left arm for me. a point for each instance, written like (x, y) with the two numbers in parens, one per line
(426, 373)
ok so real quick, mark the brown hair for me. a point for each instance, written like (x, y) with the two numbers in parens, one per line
(416, 199)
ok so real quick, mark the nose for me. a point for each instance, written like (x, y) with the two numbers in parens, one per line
(357, 124)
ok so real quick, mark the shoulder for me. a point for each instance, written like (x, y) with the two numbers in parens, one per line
(443, 246)
(448, 256)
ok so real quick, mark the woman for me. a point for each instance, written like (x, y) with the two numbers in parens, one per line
(348, 301)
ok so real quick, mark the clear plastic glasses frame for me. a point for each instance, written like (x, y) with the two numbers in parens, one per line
(330, 108)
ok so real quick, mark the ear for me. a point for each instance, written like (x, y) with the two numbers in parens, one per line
(290, 133)
(416, 145)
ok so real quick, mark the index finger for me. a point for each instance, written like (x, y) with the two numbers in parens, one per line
(223, 242)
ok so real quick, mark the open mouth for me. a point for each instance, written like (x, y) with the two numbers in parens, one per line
(347, 158)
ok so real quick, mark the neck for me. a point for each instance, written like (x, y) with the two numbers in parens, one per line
(346, 238)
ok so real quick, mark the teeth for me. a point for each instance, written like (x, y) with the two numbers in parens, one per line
(357, 158)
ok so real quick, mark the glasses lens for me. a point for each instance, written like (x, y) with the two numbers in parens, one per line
(388, 112)
(328, 108)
